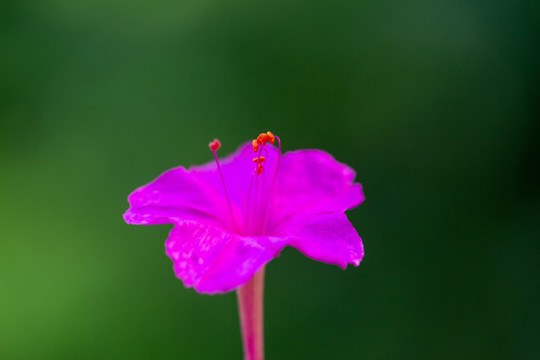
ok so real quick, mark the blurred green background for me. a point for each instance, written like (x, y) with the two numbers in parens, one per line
(434, 103)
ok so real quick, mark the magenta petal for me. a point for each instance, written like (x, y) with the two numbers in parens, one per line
(300, 201)
(214, 261)
(328, 238)
(175, 195)
(197, 193)
(312, 182)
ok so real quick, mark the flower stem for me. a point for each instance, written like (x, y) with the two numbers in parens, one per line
(250, 309)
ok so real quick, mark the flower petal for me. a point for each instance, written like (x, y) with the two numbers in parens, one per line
(214, 261)
(328, 238)
(197, 193)
(175, 195)
(312, 182)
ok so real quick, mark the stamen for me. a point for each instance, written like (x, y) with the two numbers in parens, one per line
(248, 213)
(214, 146)
(258, 196)
(272, 183)
(271, 137)
(260, 161)
(261, 139)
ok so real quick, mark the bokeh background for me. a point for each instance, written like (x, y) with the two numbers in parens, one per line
(434, 103)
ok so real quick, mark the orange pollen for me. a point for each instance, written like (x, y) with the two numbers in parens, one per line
(214, 145)
(271, 137)
(258, 145)
(262, 139)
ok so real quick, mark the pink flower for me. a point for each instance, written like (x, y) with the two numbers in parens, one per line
(232, 217)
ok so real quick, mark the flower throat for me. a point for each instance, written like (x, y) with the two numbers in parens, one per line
(258, 195)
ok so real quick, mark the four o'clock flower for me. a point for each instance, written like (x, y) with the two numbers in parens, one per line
(233, 216)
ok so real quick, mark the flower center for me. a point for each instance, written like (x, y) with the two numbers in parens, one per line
(259, 192)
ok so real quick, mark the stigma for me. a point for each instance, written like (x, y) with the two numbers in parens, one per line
(214, 145)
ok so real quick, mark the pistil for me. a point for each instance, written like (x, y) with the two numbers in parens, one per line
(214, 146)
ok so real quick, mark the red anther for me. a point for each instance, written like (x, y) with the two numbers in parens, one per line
(259, 169)
(259, 159)
(255, 146)
(214, 145)
(262, 139)
(271, 137)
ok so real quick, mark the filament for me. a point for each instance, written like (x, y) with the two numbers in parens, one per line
(214, 149)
